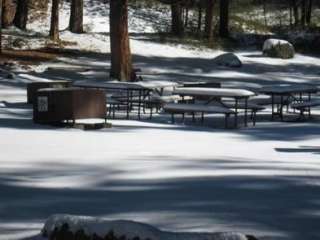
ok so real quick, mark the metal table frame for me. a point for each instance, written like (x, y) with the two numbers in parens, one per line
(143, 90)
(287, 92)
(221, 93)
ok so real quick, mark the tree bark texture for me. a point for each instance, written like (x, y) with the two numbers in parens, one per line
(208, 30)
(121, 60)
(224, 18)
(21, 17)
(177, 22)
(76, 16)
(54, 28)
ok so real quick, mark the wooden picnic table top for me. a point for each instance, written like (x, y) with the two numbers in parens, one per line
(214, 92)
(140, 85)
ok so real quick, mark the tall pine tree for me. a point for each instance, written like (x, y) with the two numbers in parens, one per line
(121, 61)
(21, 17)
(54, 27)
(76, 16)
(224, 18)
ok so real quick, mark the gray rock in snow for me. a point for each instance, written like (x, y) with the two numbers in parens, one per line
(228, 60)
(276, 48)
(11, 76)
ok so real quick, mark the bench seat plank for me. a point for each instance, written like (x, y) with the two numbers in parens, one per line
(193, 108)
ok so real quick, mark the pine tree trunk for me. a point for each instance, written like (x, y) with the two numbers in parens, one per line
(8, 12)
(265, 13)
(295, 12)
(224, 18)
(309, 12)
(199, 19)
(290, 16)
(54, 28)
(186, 18)
(121, 61)
(1, 3)
(21, 17)
(177, 23)
(208, 30)
(303, 13)
(76, 16)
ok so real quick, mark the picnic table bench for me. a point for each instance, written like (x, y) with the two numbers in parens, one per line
(130, 94)
(239, 96)
(183, 108)
(306, 106)
(289, 93)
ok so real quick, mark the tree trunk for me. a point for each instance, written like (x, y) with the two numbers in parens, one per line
(76, 16)
(309, 12)
(1, 26)
(54, 28)
(121, 61)
(208, 30)
(177, 23)
(199, 18)
(303, 13)
(8, 12)
(265, 13)
(295, 12)
(290, 16)
(224, 18)
(186, 18)
(21, 17)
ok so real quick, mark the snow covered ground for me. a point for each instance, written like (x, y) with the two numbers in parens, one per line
(261, 180)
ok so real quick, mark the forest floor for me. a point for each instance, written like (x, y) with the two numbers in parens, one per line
(261, 180)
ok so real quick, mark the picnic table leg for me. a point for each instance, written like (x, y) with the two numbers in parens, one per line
(151, 112)
(128, 105)
(309, 110)
(281, 107)
(272, 106)
(139, 104)
(246, 112)
(226, 120)
(254, 119)
(236, 113)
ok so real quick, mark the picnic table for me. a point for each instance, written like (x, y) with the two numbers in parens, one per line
(138, 90)
(215, 94)
(287, 93)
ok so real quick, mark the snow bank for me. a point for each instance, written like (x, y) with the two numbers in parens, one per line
(130, 229)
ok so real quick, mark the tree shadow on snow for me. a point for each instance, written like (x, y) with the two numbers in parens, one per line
(283, 207)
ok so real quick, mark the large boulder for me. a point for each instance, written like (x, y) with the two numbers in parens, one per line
(277, 48)
(228, 60)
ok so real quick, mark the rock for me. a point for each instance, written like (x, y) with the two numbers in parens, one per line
(11, 76)
(276, 48)
(228, 60)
